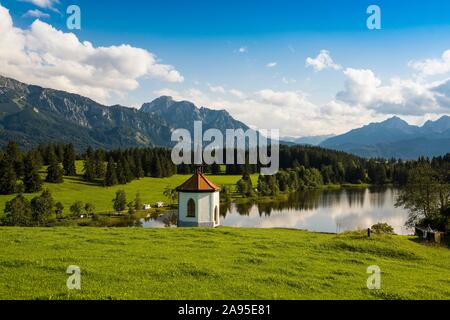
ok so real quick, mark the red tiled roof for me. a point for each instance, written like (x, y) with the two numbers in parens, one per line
(198, 183)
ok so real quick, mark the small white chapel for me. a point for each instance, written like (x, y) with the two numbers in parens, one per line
(198, 202)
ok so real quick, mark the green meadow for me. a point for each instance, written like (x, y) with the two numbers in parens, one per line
(151, 190)
(222, 263)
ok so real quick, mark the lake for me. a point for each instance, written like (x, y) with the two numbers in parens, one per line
(316, 210)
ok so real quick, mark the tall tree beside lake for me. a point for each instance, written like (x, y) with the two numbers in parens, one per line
(120, 201)
(426, 197)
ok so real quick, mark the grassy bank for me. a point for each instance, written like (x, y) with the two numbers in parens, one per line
(223, 263)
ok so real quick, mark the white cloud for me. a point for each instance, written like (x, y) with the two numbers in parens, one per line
(242, 50)
(322, 61)
(271, 64)
(431, 67)
(289, 111)
(237, 93)
(36, 14)
(46, 4)
(45, 56)
(217, 89)
(400, 96)
(361, 86)
(279, 98)
(288, 80)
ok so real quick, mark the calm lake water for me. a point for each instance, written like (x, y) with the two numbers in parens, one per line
(322, 211)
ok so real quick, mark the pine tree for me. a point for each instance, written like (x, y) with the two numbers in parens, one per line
(18, 212)
(75, 209)
(111, 176)
(89, 169)
(157, 171)
(7, 176)
(138, 202)
(59, 151)
(120, 201)
(128, 174)
(121, 173)
(13, 153)
(32, 180)
(99, 166)
(139, 171)
(42, 207)
(131, 208)
(69, 160)
(54, 171)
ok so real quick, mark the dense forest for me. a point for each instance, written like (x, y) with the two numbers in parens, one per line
(425, 191)
(300, 166)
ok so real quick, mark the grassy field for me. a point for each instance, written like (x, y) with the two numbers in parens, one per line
(151, 190)
(221, 263)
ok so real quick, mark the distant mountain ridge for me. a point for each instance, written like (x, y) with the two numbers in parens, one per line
(310, 140)
(395, 138)
(32, 115)
(178, 114)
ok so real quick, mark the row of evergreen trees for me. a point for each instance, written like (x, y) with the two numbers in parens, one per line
(41, 209)
(125, 166)
(19, 172)
(289, 180)
(15, 166)
(37, 212)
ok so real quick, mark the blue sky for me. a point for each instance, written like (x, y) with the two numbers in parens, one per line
(250, 57)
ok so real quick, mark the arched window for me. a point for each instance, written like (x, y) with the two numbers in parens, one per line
(191, 209)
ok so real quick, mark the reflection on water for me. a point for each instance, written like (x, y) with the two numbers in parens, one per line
(315, 210)
(323, 211)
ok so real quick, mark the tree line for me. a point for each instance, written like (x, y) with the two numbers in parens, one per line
(43, 208)
(20, 171)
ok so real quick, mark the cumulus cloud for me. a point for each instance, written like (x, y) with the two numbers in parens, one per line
(400, 96)
(217, 89)
(271, 64)
(431, 67)
(36, 14)
(48, 57)
(280, 98)
(322, 61)
(237, 93)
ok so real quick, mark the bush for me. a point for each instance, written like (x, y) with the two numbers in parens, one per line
(382, 228)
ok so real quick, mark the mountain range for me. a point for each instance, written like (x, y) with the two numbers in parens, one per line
(31, 115)
(395, 138)
(309, 141)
